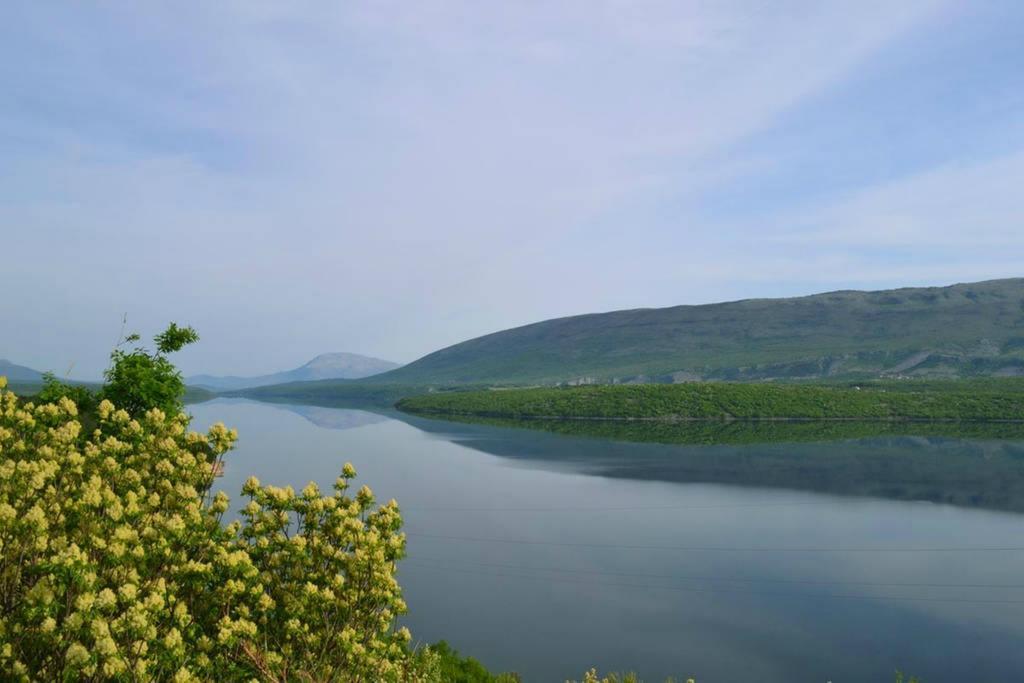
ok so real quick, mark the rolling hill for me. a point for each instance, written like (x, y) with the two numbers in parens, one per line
(974, 329)
(324, 366)
(967, 330)
(19, 373)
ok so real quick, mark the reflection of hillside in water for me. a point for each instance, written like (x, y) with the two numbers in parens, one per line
(334, 418)
(984, 469)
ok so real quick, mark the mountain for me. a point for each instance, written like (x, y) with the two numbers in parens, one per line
(324, 366)
(960, 330)
(19, 373)
(334, 418)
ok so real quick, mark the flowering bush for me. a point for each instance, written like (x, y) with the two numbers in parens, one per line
(115, 562)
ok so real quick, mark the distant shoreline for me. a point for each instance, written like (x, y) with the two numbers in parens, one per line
(882, 401)
(684, 419)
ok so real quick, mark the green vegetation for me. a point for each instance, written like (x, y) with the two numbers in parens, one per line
(746, 432)
(53, 390)
(454, 668)
(959, 331)
(718, 401)
(593, 677)
(974, 385)
(138, 380)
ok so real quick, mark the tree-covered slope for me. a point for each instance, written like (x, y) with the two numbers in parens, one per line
(973, 400)
(960, 330)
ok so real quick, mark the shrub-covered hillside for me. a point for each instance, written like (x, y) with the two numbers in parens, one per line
(720, 400)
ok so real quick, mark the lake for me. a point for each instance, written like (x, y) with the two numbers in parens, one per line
(547, 553)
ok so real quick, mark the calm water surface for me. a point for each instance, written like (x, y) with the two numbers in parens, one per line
(548, 554)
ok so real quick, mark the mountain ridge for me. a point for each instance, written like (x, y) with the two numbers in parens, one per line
(965, 329)
(19, 373)
(334, 365)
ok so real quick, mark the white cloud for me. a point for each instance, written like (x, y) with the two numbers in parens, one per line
(393, 177)
(955, 206)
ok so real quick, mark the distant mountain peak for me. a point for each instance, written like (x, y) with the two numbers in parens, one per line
(334, 365)
(344, 359)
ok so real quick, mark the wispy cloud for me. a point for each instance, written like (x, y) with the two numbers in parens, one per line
(960, 206)
(393, 177)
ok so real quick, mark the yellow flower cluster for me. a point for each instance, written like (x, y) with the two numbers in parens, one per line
(115, 563)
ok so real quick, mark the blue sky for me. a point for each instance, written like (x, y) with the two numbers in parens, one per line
(389, 178)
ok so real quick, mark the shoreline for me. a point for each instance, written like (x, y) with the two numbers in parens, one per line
(981, 402)
(689, 419)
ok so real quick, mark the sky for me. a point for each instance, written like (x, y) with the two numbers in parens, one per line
(390, 178)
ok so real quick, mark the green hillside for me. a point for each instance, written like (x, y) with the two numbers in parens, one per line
(958, 331)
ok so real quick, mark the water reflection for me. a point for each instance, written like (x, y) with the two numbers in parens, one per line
(901, 461)
(548, 553)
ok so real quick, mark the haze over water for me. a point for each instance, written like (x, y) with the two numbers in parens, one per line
(548, 554)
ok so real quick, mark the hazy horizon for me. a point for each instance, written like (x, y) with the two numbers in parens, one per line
(389, 179)
(299, 364)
